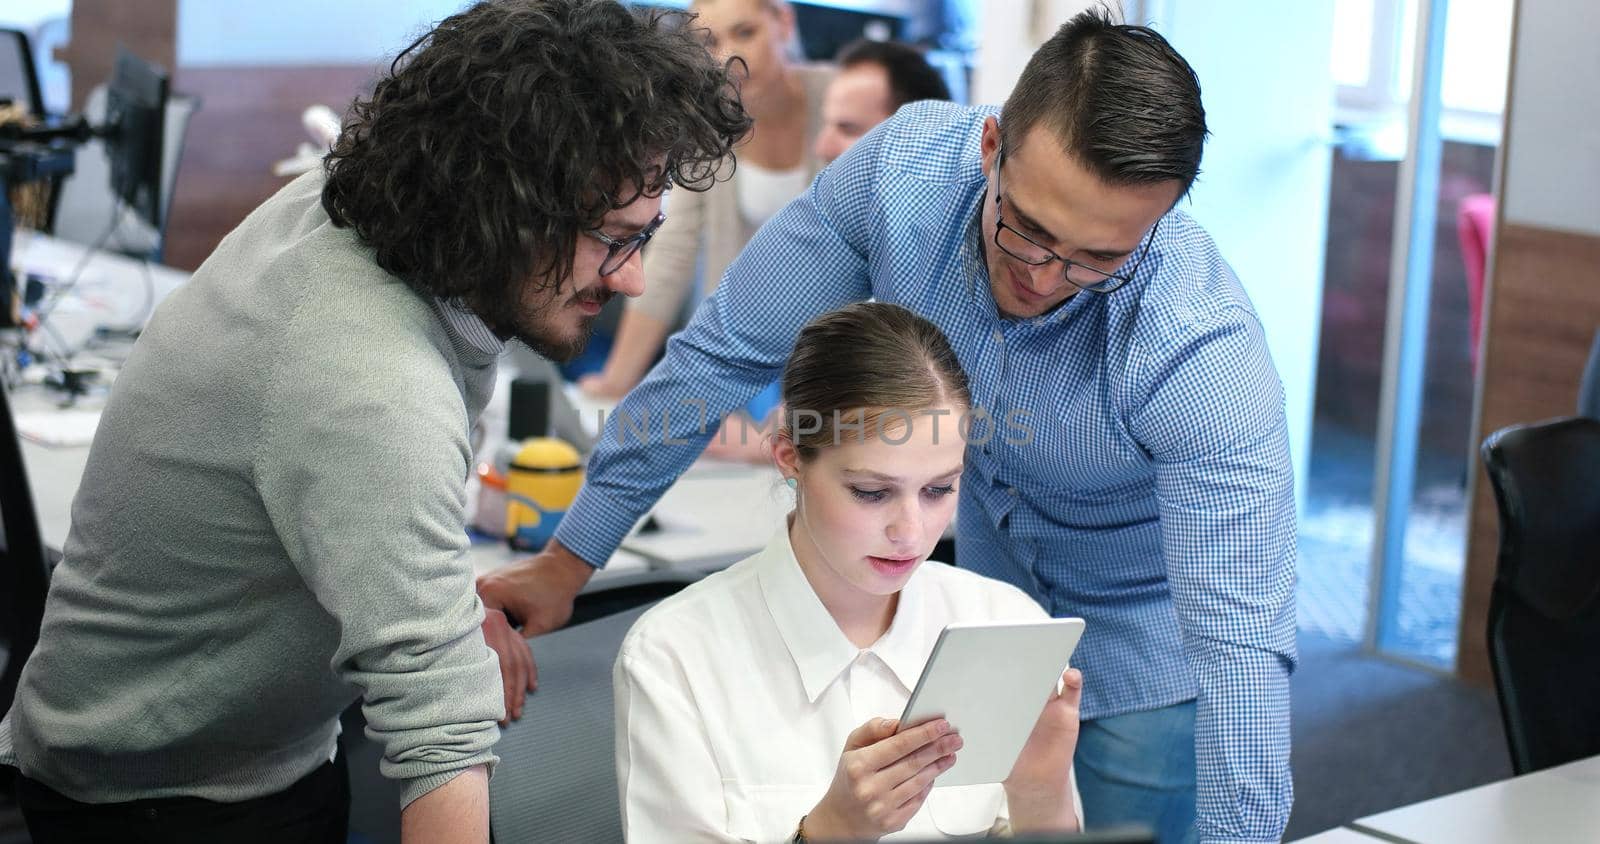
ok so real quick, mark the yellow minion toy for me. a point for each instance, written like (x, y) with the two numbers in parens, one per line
(542, 482)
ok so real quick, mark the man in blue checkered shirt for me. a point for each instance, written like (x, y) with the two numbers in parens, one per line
(1141, 476)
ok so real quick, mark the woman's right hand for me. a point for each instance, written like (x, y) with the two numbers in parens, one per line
(882, 779)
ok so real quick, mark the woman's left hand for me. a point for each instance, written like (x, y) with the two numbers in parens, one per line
(1039, 789)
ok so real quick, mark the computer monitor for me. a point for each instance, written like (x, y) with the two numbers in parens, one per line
(136, 112)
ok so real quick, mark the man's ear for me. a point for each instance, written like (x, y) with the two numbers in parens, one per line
(990, 145)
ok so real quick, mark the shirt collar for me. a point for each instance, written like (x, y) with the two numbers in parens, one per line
(468, 328)
(820, 650)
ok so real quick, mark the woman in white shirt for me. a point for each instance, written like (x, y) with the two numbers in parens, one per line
(756, 704)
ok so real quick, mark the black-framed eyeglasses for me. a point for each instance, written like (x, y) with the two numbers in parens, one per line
(1034, 254)
(619, 251)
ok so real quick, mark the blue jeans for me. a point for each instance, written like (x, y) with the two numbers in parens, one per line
(1139, 769)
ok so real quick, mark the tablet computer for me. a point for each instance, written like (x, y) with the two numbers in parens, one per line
(991, 681)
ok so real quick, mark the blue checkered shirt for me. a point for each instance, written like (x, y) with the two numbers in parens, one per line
(1137, 473)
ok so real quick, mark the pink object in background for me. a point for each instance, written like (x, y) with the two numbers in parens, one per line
(1475, 228)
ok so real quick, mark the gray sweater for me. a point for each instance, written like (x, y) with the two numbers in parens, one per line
(270, 526)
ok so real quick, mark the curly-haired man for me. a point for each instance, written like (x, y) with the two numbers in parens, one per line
(270, 523)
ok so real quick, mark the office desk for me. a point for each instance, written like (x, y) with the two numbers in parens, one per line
(53, 472)
(715, 515)
(1339, 835)
(1554, 806)
(111, 290)
(707, 495)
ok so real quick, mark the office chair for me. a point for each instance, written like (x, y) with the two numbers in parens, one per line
(85, 203)
(556, 780)
(24, 565)
(1475, 230)
(19, 79)
(1544, 609)
(1589, 387)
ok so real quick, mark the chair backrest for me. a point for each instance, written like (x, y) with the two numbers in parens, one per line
(1589, 387)
(85, 205)
(19, 79)
(557, 778)
(24, 568)
(1544, 610)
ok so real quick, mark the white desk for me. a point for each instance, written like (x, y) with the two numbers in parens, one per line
(112, 290)
(715, 515)
(1339, 835)
(488, 556)
(1555, 806)
(53, 473)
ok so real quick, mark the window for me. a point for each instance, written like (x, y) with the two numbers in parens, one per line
(1374, 47)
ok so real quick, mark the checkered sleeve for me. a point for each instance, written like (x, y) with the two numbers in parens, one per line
(1212, 417)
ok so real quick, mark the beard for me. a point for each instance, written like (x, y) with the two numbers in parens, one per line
(540, 331)
(554, 348)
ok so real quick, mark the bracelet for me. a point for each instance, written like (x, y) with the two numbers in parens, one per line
(799, 832)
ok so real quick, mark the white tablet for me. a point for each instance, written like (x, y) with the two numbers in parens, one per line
(991, 681)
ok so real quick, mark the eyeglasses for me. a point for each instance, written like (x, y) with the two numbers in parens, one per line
(1034, 254)
(619, 251)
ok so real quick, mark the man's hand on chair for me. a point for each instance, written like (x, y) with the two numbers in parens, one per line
(535, 594)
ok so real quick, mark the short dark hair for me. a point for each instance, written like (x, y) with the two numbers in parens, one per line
(1118, 97)
(911, 78)
(497, 138)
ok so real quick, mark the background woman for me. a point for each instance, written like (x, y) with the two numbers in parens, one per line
(706, 231)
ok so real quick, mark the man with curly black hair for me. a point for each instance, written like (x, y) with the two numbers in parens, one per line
(270, 524)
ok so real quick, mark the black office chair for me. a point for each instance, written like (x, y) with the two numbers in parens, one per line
(556, 780)
(1544, 610)
(1589, 387)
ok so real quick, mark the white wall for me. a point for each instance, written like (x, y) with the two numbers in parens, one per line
(285, 32)
(1266, 82)
(1011, 31)
(1552, 175)
(27, 14)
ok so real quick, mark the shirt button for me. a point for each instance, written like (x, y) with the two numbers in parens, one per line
(1012, 491)
(150, 814)
(998, 336)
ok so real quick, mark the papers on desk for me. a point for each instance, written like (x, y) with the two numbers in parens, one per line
(60, 428)
(109, 290)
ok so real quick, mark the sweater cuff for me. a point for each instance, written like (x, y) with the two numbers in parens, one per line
(411, 789)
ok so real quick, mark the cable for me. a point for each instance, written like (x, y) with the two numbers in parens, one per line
(118, 210)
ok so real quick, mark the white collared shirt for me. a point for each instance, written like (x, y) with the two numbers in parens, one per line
(735, 696)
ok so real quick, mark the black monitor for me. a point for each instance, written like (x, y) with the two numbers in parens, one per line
(136, 113)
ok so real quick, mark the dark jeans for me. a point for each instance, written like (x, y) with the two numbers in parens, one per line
(316, 809)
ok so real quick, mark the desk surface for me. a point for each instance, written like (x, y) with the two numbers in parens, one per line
(716, 514)
(1553, 806)
(1339, 835)
(112, 290)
